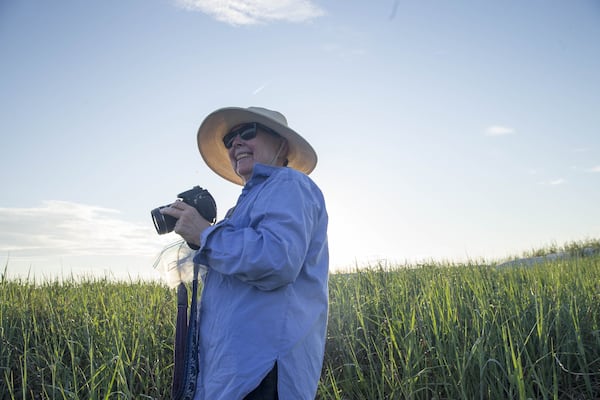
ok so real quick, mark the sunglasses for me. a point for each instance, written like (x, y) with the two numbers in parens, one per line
(246, 132)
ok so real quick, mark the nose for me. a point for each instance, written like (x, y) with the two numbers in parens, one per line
(237, 141)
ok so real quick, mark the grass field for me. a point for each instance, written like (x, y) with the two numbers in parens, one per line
(435, 331)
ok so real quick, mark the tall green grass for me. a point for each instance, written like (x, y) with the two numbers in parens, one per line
(95, 339)
(436, 331)
(466, 332)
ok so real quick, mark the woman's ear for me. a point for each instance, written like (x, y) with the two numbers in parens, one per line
(283, 154)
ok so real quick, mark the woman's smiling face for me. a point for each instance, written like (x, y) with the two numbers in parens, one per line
(263, 149)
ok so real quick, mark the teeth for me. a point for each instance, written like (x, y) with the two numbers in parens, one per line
(242, 155)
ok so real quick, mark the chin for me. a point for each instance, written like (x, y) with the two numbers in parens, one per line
(245, 173)
(245, 166)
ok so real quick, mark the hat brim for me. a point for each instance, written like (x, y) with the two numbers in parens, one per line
(301, 156)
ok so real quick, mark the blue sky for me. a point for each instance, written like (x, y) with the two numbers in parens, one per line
(445, 130)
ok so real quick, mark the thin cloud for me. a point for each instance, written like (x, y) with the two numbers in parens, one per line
(250, 12)
(259, 89)
(60, 228)
(595, 169)
(554, 182)
(498, 130)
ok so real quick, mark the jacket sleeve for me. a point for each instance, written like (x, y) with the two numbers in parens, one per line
(270, 250)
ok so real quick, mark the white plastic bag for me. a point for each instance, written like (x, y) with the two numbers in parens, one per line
(176, 264)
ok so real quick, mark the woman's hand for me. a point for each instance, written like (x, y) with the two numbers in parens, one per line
(190, 224)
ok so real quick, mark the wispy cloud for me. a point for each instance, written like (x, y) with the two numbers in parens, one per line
(554, 182)
(498, 130)
(249, 12)
(595, 169)
(60, 228)
(259, 89)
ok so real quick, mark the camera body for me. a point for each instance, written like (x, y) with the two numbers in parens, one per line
(196, 197)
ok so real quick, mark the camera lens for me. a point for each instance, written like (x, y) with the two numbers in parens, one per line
(163, 223)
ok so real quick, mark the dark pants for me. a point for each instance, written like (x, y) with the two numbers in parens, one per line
(267, 389)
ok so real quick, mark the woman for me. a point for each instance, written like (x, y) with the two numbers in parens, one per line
(265, 299)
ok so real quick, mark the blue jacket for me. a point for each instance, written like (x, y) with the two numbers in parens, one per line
(265, 295)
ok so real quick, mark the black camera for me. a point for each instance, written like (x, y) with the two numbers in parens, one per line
(196, 197)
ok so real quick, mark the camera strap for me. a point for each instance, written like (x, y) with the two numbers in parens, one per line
(185, 369)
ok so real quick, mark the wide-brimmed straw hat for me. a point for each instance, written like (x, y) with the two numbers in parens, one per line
(301, 156)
